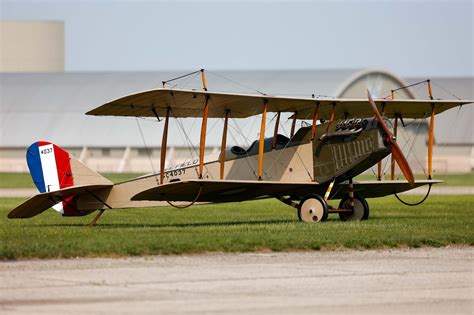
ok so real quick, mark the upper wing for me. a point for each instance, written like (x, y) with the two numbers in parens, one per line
(190, 103)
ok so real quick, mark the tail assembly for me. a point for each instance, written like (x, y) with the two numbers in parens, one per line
(61, 179)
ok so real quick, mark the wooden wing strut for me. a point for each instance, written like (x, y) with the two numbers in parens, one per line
(164, 143)
(202, 143)
(262, 140)
(315, 120)
(392, 164)
(293, 125)
(379, 163)
(224, 144)
(431, 134)
(275, 131)
(331, 119)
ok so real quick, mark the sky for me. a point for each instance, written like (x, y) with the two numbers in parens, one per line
(410, 38)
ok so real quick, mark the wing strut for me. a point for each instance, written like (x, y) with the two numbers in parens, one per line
(379, 163)
(202, 143)
(164, 143)
(315, 120)
(293, 125)
(275, 132)
(431, 134)
(203, 77)
(262, 140)
(392, 164)
(331, 119)
(224, 144)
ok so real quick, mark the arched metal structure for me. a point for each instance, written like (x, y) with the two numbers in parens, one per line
(376, 80)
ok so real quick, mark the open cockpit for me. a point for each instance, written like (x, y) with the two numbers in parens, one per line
(281, 142)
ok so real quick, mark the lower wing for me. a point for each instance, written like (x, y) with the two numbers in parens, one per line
(235, 190)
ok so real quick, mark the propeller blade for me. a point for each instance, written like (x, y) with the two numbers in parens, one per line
(379, 117)
(402, 162)
(396, 151)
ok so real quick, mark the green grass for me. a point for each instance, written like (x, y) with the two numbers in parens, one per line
(236, 227)
(23, 180)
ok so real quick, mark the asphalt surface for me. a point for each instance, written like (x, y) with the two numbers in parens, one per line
(416, 281)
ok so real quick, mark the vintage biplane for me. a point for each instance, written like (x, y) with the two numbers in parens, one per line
(313, 165)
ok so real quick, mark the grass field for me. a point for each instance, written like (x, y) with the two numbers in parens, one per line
(236, 227)
(23, 180)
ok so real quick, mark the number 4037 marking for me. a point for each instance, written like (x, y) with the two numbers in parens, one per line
(46, 151)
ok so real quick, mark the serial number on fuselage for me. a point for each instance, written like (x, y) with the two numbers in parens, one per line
(175, 173)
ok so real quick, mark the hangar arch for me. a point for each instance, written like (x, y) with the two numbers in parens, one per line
(378, 81)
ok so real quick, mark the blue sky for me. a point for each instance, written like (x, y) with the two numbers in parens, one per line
(410, 38)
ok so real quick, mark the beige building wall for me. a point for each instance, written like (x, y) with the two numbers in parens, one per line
(31, 46)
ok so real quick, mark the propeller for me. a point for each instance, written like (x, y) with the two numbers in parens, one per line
(396, 151)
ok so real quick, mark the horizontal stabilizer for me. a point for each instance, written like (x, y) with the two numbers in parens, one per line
(41, 202)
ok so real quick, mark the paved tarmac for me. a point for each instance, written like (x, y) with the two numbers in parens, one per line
(415, 281)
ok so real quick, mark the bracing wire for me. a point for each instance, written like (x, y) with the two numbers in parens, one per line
(180, 77)
(144, 143)
(442, 88)
(235, 82)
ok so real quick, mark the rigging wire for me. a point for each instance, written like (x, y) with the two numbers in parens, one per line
(144, 143)
(254, 171)
(235, 82)
(180, 77)
(183, 82)
(283, 150)
(188, 148)
(442, 88)
(411, 143)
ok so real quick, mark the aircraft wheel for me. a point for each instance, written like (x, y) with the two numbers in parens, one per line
(313, 208)
(361, 209)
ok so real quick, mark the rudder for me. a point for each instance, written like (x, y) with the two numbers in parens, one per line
(53, 168)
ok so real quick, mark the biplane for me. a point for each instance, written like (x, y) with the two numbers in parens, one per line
(316, 163)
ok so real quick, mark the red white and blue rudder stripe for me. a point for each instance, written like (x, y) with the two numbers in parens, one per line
(50, 169)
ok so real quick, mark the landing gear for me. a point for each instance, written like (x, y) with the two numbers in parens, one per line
(313, 208)
(360, 211)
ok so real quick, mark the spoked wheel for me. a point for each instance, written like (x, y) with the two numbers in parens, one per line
(361, 209)
(313, 208)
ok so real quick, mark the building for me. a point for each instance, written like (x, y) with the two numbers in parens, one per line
(39, 101)
(51, 106)
(31, 46)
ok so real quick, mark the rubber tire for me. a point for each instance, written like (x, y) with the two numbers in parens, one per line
(312, 201)
(361, 209)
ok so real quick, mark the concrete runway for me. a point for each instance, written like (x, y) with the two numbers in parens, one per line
(398, 281)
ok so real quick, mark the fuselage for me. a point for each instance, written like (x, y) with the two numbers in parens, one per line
(340, 150)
